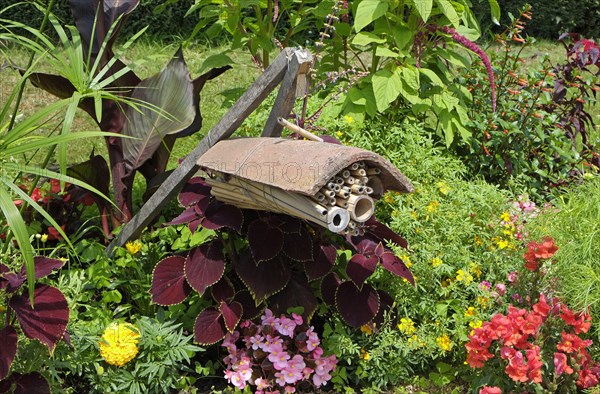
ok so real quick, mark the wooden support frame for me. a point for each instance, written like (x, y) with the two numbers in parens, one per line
(285, 69)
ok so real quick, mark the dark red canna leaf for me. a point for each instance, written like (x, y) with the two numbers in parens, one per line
(232, 314)
(386, 306)
(209, 327)
(188, 215)
(222, 290)
(219, 215)
(392, 263)
(297, 293)
(329, 286)
(356, 306)
(195, 190)
(204, 266)
(249, 307)
(29, 383)
(48, 321)
(264, 280)
(169, 286)
(298, 246)
(265, 240)
(360, 267)
(384, 233)
(323, 262)
(8, 349)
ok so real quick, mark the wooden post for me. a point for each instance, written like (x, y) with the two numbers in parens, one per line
(249, 101)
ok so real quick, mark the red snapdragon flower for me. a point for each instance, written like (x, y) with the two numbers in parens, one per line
(537, 251)
(560, 364)
(580, 322)
(571, 343)
(490, 390)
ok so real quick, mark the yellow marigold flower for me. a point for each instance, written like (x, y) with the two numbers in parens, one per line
(470, 312)
(444, 343)
(463, 276)
(364, 354)
(436, 262)
(367, 329)
(407, 326)
(505, 217)
(443, 188)
(133, 246)
(475, 269)
(119, 343)
(432, 206)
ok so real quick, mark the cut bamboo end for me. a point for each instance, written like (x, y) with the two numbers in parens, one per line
(341, 202)
(354, 167)
(358, 189)
(361, 207)
(345, 174)
(368, 190)
(359, 172)
(339, 180)
(297, 129)
(349, 180)
(343, 194)
(337, 219)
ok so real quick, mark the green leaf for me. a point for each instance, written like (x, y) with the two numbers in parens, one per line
(356, 96)
(424, 7)
(410, 75)
(385, 52)
(215, 61)
(433, 77)
(386, 87)
(365, 38)
(402, 35)
(449, 11)
(368, 11)
(495, 11)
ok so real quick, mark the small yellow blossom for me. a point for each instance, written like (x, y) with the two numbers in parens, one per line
(406, 260)
(389, 198)
(407, 326)
(475, 269)
(505, 217)
(414, 215)
(436, 262)
(483, 301)
(414, 342)
(444, 343)
(475, 324)
(478, 241)
(470, 312)
(443, 188)
(501, 243)
(349, 119)
(119, 343)
(463, 276)
(44, 238)
(432, 206)
(133, 246)
(364, 354)
(339, 134)
(367, 329)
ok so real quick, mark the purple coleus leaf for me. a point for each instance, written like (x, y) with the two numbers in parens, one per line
(169, 286)
(219, 215)
(356, 306)
(386, 310)
(29, 383)
(297, 293)
(194, 191)
(209, 327)
(360, 267)
(323, 262)
(264, 279)
(46, 322)
(392, 263)
(232, 314)
(249, 307)
(188, 215)
(222, 290)
(204, 266)
(44, 266)
(384, 233)
(298, 246)
(329, 286)
(265, 240)
(13, 281)
(8, 349)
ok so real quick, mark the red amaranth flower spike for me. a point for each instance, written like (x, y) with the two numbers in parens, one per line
(474, 48)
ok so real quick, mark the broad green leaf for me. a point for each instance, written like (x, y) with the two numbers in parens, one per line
(446, 126)
(433, 77)
(410, 75)
(216, 61)
(424, 7)
(449, 11)
(365, 38)
(385, 52)
(168, 109)
(386, 87)
(495, 11)
(356, 96)
(402, 35)
(368, 11)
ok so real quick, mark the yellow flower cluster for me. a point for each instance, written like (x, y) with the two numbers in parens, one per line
(367, 329)
(133, 247)
(119, 343)
(475, 269)
(464, 276)
(470, 312)
(407, 326)
(483, 302)
(444, 343)
(432, 206)
(364, 354)
(436, 262)
(443, 188)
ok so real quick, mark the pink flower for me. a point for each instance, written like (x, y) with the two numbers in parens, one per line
(485, 285)
(268, 319)
(560, 364)
(297, 363)
(501, 288)
(261, 383)
(512, 277)
(285, 326)
(289, 389)
(272, 343)
(313, 339)
(490, 390)
(297, 319)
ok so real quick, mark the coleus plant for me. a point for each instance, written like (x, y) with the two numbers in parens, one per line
(153, 112)
(46, 322)
(259, 260)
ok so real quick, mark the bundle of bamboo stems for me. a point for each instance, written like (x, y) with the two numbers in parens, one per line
(342, 205)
